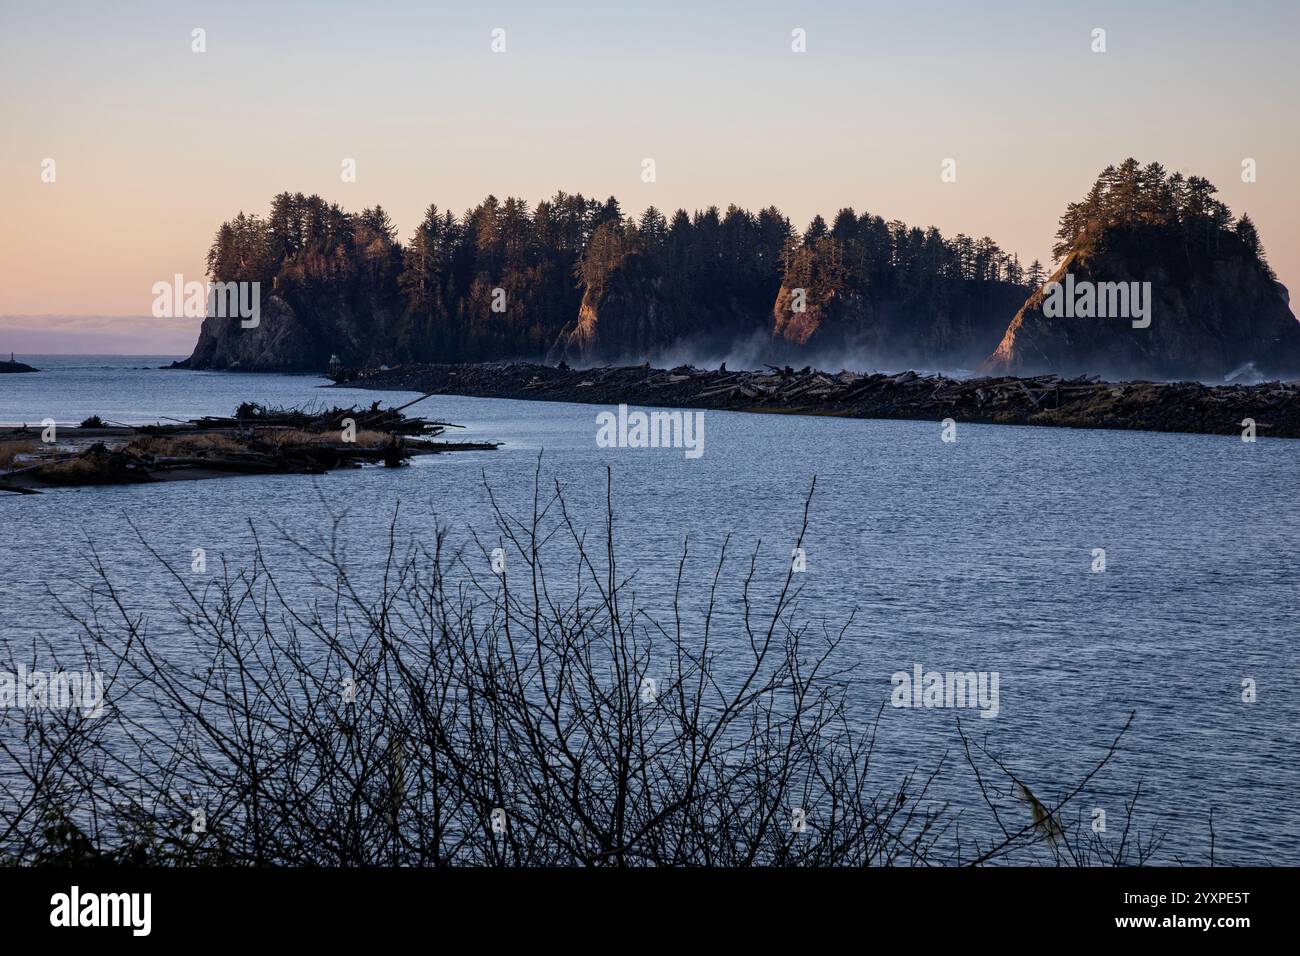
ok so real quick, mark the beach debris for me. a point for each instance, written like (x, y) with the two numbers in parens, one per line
(257, 439)
(1080, 402)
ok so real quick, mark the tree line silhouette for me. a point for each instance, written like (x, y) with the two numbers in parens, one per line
(720, 271)
(505, 279)
(1147, 199)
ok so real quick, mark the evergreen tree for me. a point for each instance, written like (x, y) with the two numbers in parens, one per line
(1036, 276)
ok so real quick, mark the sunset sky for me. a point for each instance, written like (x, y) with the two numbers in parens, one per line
(156, 145)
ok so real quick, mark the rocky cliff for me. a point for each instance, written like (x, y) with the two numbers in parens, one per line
(1209, 316)
(296, 333)
(629, 317)
(952, 326)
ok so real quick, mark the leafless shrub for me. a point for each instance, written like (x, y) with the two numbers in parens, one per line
(498, 719)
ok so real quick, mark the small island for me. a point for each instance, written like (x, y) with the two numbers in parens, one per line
(256, 440)
(12, 366)
(1181, 286)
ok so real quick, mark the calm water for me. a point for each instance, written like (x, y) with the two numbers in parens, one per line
(966, 556)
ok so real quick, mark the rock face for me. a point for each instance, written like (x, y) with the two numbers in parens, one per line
(635, 315)
(1208, 318)
(954, 327)
(628, 318)
(294, 339)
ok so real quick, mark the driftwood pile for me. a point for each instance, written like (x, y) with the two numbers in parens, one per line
(255, 440)
(391, 421)
(1082, 402)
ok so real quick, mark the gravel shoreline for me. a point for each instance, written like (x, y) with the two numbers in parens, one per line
(1044, 400)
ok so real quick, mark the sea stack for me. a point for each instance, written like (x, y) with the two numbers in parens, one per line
(1157, 280)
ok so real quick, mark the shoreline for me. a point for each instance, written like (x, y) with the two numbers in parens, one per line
(1042, 400)
(256, 440)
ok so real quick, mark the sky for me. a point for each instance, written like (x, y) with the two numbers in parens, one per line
(155, 145)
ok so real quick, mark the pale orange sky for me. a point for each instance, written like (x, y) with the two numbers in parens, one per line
(156, 145)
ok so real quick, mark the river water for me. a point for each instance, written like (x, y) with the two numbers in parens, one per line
(975, 555)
